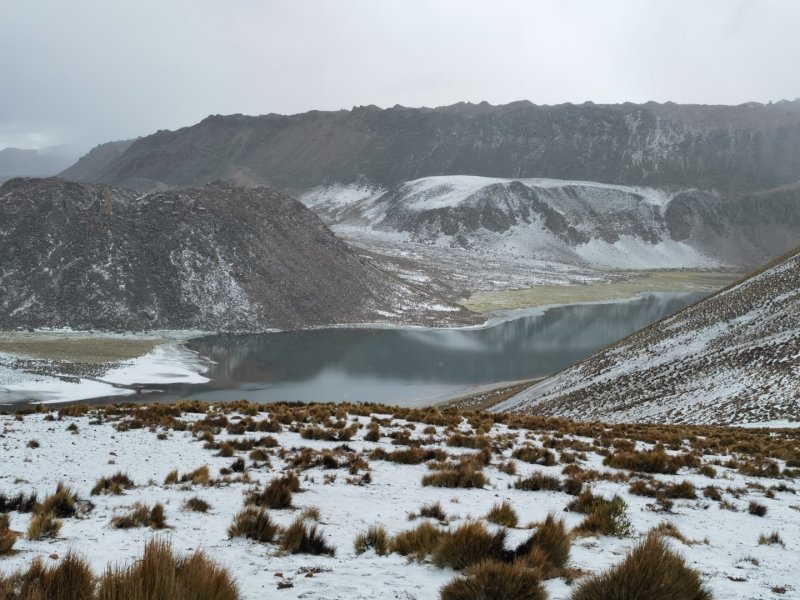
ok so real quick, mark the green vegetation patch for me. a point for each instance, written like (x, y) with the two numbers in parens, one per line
(650, 281)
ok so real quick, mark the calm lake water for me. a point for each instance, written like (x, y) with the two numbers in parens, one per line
(417, 366)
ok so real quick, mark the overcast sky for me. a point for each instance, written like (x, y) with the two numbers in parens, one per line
(82, 72)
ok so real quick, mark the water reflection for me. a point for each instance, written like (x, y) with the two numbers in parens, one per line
(407, 365)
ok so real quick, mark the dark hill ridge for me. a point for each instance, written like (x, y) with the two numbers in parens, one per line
(746, 147)
(215, 258)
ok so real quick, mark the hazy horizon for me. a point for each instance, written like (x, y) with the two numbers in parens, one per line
(79, 74)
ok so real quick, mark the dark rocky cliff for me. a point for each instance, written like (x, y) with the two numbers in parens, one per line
(745, 147)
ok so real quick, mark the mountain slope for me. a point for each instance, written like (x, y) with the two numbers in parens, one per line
(732, 358)
(95, 160)
(586, 223)
(750, 146)
(214, 258)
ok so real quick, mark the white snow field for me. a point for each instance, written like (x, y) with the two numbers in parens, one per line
(723, 536)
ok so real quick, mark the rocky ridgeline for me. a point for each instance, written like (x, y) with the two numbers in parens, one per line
(732, 358)
(746, 147)
(214, 258)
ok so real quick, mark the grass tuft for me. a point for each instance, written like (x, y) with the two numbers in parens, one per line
(253, 523)
(376, 538)
(493, 580)
(651, 571)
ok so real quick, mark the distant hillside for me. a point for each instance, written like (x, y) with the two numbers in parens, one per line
(593, 224)
(212, 258)
(732, 358)
(95, 160)
(744, 147)
(17, 162)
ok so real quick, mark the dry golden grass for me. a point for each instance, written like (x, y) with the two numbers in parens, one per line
(302, 538)
(253, 523)
(141, 515)
(161, 574)
(115, 484)
(552, 540)
(376, 538)
(651, 571)
(419, 542)
(494, 580)
(503, 514)
(470, 544)
(70, 579)
(43, 525)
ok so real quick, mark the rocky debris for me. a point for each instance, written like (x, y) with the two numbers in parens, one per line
(218, 258)
(732, 358)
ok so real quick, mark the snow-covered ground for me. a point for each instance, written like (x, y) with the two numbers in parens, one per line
(728, 556)
(168, 362)
(620, 227)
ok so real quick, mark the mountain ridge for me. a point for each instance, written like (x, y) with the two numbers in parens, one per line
(748, 147)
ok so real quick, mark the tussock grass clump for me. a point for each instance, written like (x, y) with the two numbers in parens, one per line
(20, 503)
(651, 571)
(115, 484)
(772, 538)
(684, 489)
(470, 544)
(538, 481)
(43, 525)
(376, 538)
(503, 514)
(302, 538)
(605, 517)
(253, 523)
(200, 476)
(161, 574)
(461, 440)
(71, 579)
(141, 515)
(494, 580)
(550, 540)
(650, 461)
(460, 475)
(276, 495)
(61, 504)
(418, 542)
(7, 537)
(433, 511)
(757, 509)
(196, 504)
(535, 455)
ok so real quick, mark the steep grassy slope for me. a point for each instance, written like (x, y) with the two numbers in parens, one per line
(732, 358)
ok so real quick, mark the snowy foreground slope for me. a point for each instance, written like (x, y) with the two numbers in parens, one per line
(355, 482)
(732, 358)
(583, 223)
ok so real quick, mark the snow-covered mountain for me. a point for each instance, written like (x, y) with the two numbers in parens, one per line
(732, 358)
(592, 224)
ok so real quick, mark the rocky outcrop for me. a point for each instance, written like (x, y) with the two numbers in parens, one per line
(214, 258)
